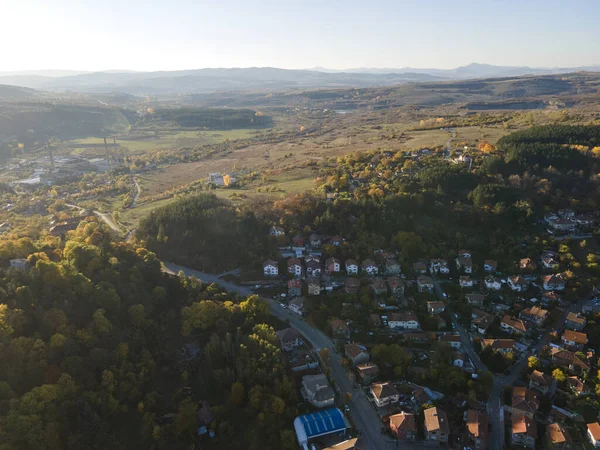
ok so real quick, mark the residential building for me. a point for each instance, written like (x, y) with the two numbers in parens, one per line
(19, 263)
(367, 372)
(549, 262)
(317, 391)
(384, 394)
(339, 328)
(458, 359)
(525, 402)
(392, 267)
(439, 266)
(356, 353)
(294, 287)
(574, 339)
(312, 257)
(451, 339)
(436, 307)
(575, 322)
(298, 241)
(558, 438)
(289, 339)
(369, 267)
(333, 265)
(420, 268)
(513, 325)
(554, 282)
(351, 285)
(403, 425)
(593, 432)
(464, 263)
(535, 315)
(270, 268)
(563, 224)
(481, 321)
(544, 384)
(518, 283)
(406, 320)
(493, 283)
(524, 431)
(465, 253)
(503, 346)
(578, 387)
(567, 359)
(313, 269)
(295, 267)
(336, 240)
(315, 240)
(424, 283)
(475, 299)
(297, 305)
(314, 285)
(477, 429)
(396, 285)
(527, 264)
(548, 298)
(490, 265)
(436, 425)
(379, 286)
(465, 281)
(276, 230)
(351, 267)
(350, 444)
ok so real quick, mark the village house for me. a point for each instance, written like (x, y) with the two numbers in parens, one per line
(351, 285)
(524, 431)
(464, 263)
(420, 268)
(492, 283)
(465, 281)
(554, 282)
(297, 305)
(475, 299)
(513, 325)
(477, 429)
(527, 264)
(439, 266)
(549, 262)
(406, 320)
(549, 298)
(289, 339)
(503, 346)
(312, 257)
(333, 265)
(19, 263)
(535, 315)
(339, 328)
(396, 285)
(403, 426)
(336, 240)
(384, 394)
(379, 286)
(270, 268)
(436, 427)
(567, 359)
(356, 353)
(367, 372)
(574, 339)
(451, 339)
(465, 253)
(578, 387)
(562, 224)
(435, 307)
(518, 283)
(315, 240)
(313, 269)
(558, 438)
(575, 321)
(369, 267)
(481, 321)
(276, 230)
(544, 384)
(294, 287)
(424, 283)
(593, 433)
(392, 267)
(295, 267)
(317, 391)
(490, 265)
(298, 241)
(314, 285)
(351, 267)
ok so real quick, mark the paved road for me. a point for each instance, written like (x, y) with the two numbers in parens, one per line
(364, 415)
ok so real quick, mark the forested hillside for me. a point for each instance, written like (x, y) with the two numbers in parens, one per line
(214, 118)
(207, 233)
(92, 340)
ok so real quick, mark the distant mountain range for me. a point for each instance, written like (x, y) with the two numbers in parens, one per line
(254, 78)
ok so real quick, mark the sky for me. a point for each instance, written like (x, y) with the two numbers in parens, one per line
(189, 34)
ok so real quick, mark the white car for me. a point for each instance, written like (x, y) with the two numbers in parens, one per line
(283, 306)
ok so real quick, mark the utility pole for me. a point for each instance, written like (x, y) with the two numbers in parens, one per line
(107, 155)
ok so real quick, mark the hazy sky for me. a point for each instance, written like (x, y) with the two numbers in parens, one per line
(182, 34)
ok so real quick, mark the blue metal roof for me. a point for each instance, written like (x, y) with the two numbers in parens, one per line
(323, 422)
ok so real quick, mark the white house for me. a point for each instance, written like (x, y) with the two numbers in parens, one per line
(351, 267)
(271, 268)
(465, 281)
(452, 339)
(490, 265)
(593, 432)
(406, 320)
(424, 283)
(289, 339)
(295, 267)
(493, 283)
(439, 266)
(276, 231)
(465, 264)
(518, 283)
(384, 394)
(332, 265)
(19, 263)
(297, 305)
(554, 282)
(369, 267)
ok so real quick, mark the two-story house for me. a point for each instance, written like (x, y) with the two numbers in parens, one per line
(554, 282)
(474, 299)
(396, 285)
(289, 339)
(294, 287)
(392, 267)
(406, 320)
(424, 283)
(569, 360)
(534, 315)
(464, 263)
(317, 390)
(314, 285)
(524, 431)
(436, 307)
(439, 266)
(271, 268)
(527, 264)
(593, 433)
(558, 438)
(367, 372)
(403, 426)
(356, 353)
(513, 325)
(492, 283)
(503, 346)
(276, 230)
(477, 429)
(490, 265)
(315, 240)
(481, 321)
(313, 269)
(384, 394)
(297, 305)
(369, 267)
(544, 384)
(465, 281)
(437, 428)
(549, 262)
(518, 283)
(451, 339)
(379, 286)
(351, 267)
(574, 339)
(575, 322)
(294, 267)
(525, 401)
(332, 265)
